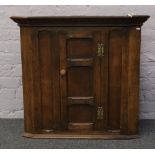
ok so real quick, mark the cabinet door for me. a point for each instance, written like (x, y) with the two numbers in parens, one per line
(80, 80)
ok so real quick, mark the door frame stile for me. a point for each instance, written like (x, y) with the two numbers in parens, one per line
(63, 87)
(104, 78)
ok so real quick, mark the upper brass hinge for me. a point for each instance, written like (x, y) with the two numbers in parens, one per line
(100, 49)
(99, 112)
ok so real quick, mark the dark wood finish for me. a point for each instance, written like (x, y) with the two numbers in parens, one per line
(81, 21)
(133, 83)
(115, 69)
(27, 79)
(70, 135)
(77, 58)
(81, 76)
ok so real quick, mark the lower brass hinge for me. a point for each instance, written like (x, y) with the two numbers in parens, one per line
(99, 112)
(100, 50)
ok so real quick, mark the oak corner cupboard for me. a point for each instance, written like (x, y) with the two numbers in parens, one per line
(81, 76)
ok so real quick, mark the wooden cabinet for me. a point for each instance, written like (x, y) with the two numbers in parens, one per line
(81, 76)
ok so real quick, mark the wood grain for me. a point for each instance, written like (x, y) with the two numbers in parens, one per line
(115, 62)
(133, 80)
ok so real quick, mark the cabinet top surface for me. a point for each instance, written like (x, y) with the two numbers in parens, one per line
(136, 20)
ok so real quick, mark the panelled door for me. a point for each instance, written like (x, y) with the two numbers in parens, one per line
(80, 81)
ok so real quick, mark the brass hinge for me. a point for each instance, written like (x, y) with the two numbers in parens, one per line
(99, 112)
(100, 50)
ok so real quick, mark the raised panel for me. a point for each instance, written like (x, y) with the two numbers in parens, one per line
(80, 81)
(48, 65)
(79, 48)
(80, 113)
(45, 59)
(115, 69)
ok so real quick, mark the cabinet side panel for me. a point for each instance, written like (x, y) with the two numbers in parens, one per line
(115, 62)
(27, 71)
(133, 80)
